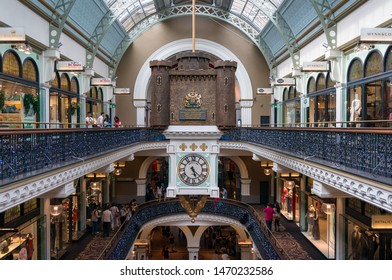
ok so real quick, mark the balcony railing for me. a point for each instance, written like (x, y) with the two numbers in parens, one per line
(365, 152)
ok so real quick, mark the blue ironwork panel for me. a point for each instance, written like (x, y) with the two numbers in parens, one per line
(86, 15)
(113, 38)
(299, 15)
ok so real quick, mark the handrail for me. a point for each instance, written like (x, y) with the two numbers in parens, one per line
(263, 239)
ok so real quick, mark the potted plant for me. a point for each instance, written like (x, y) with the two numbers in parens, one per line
(73, 108)
(30, 104)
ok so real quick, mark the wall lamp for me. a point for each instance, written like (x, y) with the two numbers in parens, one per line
(361, 47)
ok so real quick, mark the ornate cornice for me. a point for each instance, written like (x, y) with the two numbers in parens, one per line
(24, 190)
(365, 189)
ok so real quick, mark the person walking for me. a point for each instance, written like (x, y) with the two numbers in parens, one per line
(101, 119)
(269, 215)
(107, 221)
(95, 220)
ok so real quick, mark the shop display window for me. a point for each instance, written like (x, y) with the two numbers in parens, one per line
(363, 243)
(23, 244)
(317, 222)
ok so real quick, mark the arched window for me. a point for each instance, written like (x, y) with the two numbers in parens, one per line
(285, 94)
(311, 85)
(388, 59)
(55, 83)
(65, 84)
(74, 85)
(12, 64)
(355, 70)
(30, 71)
(320, 84)
(373, 64)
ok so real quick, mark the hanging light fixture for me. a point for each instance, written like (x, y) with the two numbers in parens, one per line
(56, 210)
(118, 168)
(267, 170)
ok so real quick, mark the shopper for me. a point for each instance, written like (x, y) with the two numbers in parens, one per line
(269, 215)
(117, 122)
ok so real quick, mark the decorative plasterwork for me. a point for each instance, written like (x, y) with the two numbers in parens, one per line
(21, 191)
(365, 189)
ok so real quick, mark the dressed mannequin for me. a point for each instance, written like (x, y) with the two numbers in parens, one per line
(356, 236)
(284, 194)
(289, 197)
(316, 228)
(356, 108)
(30, 246)
(310, 217)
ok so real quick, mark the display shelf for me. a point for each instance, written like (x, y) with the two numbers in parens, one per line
(16, 242)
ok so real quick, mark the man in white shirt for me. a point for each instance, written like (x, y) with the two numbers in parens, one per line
(100, 120)
(89, 120)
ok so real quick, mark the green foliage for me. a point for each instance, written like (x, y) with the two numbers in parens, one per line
(30, 99)
(73, 107)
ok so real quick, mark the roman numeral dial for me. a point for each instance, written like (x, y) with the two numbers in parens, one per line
(193, 169)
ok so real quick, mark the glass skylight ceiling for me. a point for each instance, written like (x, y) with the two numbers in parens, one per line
(130, 12)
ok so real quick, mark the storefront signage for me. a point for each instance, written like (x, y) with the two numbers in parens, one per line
(69, 66)
(376, 34)
(284, 82)
(315, 66)
(263, 91)
(12, 34)
(382, 221)
(305, 102)
(101, 82)
(122, 91)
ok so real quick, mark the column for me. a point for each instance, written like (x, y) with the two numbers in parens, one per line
(339, 238)
(193, 252)
(245, 187)
(140, 112)
(141, 187)
(82, 206)
(246, 252)
(106, 191)
(85, 87)
(246, 112)
(46, 211)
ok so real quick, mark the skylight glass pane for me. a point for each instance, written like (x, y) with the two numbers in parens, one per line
(238, 6)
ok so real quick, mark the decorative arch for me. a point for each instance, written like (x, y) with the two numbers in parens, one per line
(311, 85)
(355, 70)
(143, 77)
(30, 70)
(12, 64)
(373, 63)
(388, 59)
(320, 82)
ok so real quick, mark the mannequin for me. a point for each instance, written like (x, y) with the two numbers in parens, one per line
(30, 246)
(316, 229)
(284, 194)
(289, 196)
(310, 217)
(355, 110)
(356, 236)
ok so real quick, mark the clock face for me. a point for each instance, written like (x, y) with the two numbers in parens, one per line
(193, 169)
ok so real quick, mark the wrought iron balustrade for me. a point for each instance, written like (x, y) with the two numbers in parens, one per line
(29, 152)
(268, 247)
(360, 151)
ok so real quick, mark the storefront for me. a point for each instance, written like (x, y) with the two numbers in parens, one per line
(317, 220)
(367, 232)
(291, 106)
(19, 91)
(22, 234)
(288, 187)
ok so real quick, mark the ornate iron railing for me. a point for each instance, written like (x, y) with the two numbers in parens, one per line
(362, 151)
(29, 152)
(268, 247)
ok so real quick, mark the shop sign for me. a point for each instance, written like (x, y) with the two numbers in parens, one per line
(122, 91)
(69, 66)
(305, 102)
(263, 91)
(315, 66)
(376, 34)
(101, 82)
(382, 221)
(284, 82)
(12, 34)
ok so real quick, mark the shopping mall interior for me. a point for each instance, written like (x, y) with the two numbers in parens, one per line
(196, 130)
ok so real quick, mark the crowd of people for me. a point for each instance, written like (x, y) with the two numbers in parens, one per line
(111, 217)
(272, 216)
(102, 121)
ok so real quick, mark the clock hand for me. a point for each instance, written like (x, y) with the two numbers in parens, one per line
(194, 171)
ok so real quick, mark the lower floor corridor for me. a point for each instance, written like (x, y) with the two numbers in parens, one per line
(297, 246)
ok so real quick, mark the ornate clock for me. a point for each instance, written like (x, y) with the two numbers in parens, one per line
(193, 169)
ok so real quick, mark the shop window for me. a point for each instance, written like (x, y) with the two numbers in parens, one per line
(74, 85)
(30, 71)
(374, 104)
(388, 101)
(320, 82)
(11, 64)
(65, 82)
(373, 64)
(11, 214)
(330, 83)
(311, 85)
(388, 59)
(355, 71)
(30, 205)
(55, 83)
(285, 94)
